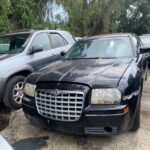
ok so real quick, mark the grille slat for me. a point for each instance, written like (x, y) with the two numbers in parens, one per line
(62, 106)
(57, 110)
(58, 115)
(57, 101)
(49, 96)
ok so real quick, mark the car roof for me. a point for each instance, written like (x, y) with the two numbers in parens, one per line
(31, 31)
(68, 37)
(145, 35)
(108, 36)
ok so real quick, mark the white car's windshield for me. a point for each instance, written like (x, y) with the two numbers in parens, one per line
(101, 48)
(12, 44)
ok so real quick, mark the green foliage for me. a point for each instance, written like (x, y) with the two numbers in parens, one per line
(5, 24)
(85, 17)
(24, 13)
(21, 14)
(136, 17)
(91, 17)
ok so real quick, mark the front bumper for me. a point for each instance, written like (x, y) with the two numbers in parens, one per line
(95, 120)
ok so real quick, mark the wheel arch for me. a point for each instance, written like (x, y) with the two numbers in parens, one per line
(16, 72)
(24, 73)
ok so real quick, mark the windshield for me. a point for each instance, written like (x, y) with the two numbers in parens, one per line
(13, 44)
(145, 40)
(101, 48)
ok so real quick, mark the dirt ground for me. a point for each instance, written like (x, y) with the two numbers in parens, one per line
(24, 136)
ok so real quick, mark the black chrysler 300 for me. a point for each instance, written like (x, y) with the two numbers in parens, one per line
(94, 90)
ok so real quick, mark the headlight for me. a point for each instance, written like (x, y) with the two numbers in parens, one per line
(105, 96)
(29, 89)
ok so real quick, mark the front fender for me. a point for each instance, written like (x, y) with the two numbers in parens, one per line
(7, 73)
(131, 82)
(4, 76)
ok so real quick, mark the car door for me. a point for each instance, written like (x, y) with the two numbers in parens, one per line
(44, 57)
(59, 44)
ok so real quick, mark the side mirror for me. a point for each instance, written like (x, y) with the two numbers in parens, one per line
(144, 49)
(35, 49)
(62, 53)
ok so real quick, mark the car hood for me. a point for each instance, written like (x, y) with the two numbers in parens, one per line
(94, 73)
(5, 56)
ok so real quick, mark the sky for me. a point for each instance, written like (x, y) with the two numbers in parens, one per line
(56, 10)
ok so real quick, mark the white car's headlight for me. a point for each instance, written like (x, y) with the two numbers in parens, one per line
(106, 96)
(29, 89)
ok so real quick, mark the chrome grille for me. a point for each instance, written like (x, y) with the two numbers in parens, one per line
(60, 105)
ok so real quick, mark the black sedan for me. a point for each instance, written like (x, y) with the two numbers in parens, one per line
(94, 90)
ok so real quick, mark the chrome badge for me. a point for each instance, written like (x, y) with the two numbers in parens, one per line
(55, 92)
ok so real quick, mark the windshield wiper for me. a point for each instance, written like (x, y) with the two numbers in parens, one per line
(93, 58)
(109, 57)
(83, 58)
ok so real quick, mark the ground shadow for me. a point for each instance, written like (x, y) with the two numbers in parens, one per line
(4, 116)
(31, 143)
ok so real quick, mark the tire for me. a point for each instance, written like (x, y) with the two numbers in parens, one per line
(148, 63)
(14, 92)
(136, 123)
(146, 76)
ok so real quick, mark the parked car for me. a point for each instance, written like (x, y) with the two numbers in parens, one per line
(145, 38)
(4, 144)
(23, 52)
(96, 88)
(78, 38)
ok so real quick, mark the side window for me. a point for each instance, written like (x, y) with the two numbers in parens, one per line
(42, 40)
(57, 40)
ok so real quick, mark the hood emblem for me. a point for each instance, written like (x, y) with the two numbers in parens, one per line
(55, 92)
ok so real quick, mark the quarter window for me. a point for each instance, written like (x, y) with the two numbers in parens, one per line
(42, 40)
(57, 40)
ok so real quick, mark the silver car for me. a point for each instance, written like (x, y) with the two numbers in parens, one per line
(23, 52)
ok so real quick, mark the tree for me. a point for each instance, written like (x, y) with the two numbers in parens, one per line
(135, 17)
(23, 13)
(84, 17)
(88, 17)
(5, 11)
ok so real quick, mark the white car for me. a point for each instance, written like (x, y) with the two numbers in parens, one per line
(4, 144)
